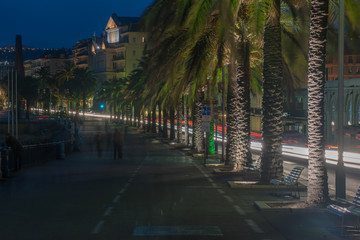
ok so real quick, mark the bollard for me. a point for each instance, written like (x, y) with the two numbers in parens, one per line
(60, 151)
(4, 163)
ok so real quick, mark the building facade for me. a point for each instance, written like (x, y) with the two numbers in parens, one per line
(117, 53)
(351, 67)
(55, 63)
(80, 53)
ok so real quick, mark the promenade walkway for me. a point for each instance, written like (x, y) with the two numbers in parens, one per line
(154, 192)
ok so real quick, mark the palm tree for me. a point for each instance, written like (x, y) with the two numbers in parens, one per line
(272, 102)
(317, 180)
(66, 73)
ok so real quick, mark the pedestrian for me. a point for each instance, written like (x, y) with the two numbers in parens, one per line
(117, 140)
(99, 142)
(16, 148)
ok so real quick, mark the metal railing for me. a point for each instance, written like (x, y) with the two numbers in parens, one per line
(32, 155)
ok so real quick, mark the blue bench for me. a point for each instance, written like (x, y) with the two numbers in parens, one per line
(343, 207)
(291, 181)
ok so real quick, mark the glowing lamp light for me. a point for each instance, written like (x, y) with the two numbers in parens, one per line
(102, 106)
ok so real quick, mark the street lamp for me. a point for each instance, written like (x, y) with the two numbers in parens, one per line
(340, 180)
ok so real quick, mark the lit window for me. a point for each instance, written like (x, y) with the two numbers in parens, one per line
(143, 39)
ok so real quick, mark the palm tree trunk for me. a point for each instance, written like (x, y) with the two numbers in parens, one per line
(179, 115)
(172, 123)
(272, 101)
(238, 153)
(165, 128)
(186, 122)
(198, 136)
(318, 192)
(153, 122)
(149, 121)
(159, 126)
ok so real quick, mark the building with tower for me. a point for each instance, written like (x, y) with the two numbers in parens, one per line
(118, 51)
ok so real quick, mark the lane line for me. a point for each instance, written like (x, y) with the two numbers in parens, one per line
(254, 226)
(210, 179)
(108, 211)
(205, 175)
(126, 185)
(116, 199)
(122, 191)
(215, 185)
(228, 198)
(220, 191)
(239, 210)
(130, 180)
(98, 227)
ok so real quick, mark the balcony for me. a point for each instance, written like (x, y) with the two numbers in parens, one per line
(120, 70)
(119, 57)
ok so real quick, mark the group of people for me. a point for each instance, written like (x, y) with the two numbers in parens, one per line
(117, 140)
(15, 146)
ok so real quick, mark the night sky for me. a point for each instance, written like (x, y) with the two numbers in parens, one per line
(60, 23)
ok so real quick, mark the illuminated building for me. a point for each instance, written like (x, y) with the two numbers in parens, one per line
(116, 54)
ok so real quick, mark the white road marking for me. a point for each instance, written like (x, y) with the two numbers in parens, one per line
(116, 199)
(239, 210)
(215, 185)
(98, 227)
(205, 175)
(130, 180)
(210, 179)
(254, 226)
(126, 185)
(122, 191)
(228, 198)
(108, 211)
(220, 191)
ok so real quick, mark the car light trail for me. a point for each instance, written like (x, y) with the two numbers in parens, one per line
(351, 160)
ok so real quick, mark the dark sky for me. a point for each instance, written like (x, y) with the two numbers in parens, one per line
(60, 23)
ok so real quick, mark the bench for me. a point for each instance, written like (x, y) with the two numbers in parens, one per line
(291, 181)
(343, 207)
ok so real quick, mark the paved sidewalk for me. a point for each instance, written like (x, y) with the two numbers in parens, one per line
(291, 223)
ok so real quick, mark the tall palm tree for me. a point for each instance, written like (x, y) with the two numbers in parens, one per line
(317, 180)
(272, 101)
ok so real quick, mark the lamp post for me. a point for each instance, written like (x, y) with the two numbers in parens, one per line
(340, 180)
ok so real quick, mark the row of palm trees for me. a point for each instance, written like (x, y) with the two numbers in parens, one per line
(262, 46)
(71, 86)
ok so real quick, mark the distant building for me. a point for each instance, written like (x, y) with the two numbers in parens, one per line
(81, 53)
(117, 53)
(351, 67)
(54, 60)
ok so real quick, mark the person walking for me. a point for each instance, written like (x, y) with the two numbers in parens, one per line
(117, 140)
(16, 148)
(99, 142)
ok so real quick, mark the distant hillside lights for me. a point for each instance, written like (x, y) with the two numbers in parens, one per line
(12, 49)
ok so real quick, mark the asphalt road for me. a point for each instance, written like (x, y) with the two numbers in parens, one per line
(154, 192)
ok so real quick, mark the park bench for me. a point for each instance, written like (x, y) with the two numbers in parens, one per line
(342, 207)
(291, 181)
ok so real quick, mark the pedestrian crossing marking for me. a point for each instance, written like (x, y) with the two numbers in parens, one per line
(177, 231)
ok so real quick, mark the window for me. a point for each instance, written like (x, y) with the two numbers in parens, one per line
(357, 59)
(114, 65)
(134, 40)
(350, 59)
(134, 53)
(134, 66)
(350, 69)
(143, 39)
